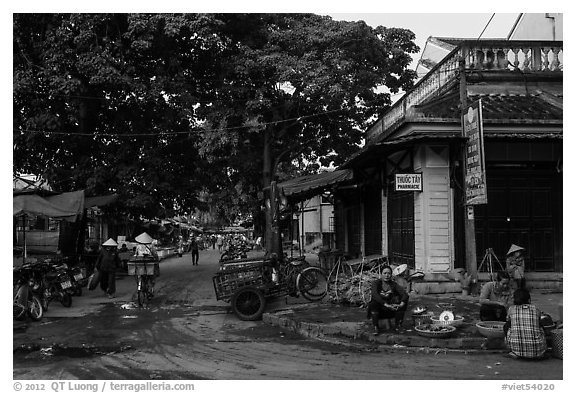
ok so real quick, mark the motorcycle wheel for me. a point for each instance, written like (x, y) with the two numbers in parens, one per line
(248, 304)
(66, 300)
(19, 312)
(312, 283)
(35, 309)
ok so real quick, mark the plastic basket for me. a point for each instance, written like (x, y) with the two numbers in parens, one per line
(557, 343)
(143, 268)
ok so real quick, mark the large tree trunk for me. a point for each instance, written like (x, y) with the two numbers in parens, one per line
(266, 180)
(272, 236)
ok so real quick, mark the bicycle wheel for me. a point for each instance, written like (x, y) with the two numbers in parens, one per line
(248, 304)
(312, 283)
(142, 291)
(35, 309)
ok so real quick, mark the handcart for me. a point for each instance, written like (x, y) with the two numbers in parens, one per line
(145, 269)
(247, 284)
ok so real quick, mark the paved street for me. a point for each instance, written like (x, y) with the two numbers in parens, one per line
(187, 334)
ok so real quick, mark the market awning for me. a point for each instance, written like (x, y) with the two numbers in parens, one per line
(67, 205)
(305, 187)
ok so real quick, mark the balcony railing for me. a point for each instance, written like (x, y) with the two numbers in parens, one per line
(483, 55)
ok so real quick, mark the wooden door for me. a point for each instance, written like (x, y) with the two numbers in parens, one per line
(401, 228)
(373, 221)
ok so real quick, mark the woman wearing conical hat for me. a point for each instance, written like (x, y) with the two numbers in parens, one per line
(107, 263)
(515, 265)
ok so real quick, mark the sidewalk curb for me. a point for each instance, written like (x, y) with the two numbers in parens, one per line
(354, 332)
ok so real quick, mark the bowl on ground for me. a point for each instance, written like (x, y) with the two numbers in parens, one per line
(491, 329)
(434, 331)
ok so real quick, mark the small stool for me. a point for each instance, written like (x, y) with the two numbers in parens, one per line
(385, 323)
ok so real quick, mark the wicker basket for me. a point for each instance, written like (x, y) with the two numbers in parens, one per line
(143, 268)
(422, 319)
(557, 343)
(424, 332)
(491, 329)
(457, 321)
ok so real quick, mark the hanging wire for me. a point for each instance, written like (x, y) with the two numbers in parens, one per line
(485, 27)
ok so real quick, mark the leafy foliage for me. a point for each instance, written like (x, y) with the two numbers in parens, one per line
(177, 112)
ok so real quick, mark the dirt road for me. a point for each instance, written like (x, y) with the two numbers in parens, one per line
(187, 335)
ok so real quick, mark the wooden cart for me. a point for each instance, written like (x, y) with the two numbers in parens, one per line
(247, 284)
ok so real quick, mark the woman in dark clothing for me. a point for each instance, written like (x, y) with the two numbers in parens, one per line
(389, 300)
(107, 263)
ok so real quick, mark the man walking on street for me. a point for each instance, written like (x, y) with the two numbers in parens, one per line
(194, 248)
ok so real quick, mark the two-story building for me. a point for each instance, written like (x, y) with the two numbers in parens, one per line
(426, 224)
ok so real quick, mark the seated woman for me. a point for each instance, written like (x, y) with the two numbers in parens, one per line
(389, 300)
(495, 298)
(524, 334)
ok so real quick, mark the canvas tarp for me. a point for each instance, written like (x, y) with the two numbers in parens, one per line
(307, 186)
(67, 205)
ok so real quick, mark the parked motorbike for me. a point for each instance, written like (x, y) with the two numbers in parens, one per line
(234, 252)
(55, 284)
(78, 278)
(26, 300)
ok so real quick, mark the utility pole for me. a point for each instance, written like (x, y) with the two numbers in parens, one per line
(469, 228)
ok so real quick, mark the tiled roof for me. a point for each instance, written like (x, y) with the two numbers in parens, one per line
(497, 107)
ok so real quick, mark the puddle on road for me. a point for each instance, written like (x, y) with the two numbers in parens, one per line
(124, 324)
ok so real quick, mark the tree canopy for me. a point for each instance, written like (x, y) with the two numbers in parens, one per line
(182, 111)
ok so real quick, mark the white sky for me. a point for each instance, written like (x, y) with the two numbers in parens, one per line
(424, 25)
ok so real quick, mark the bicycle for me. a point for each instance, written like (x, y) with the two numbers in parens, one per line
(144, 269)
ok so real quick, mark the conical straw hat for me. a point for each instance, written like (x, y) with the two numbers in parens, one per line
(110, 242)
(398, 270)
(514, 248)
(144, 238)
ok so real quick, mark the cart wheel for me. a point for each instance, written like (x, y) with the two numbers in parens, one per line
(312, 283)
(248, 304)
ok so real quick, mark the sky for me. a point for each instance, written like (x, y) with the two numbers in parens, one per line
(424, 25)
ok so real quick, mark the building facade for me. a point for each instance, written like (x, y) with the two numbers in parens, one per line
(520, 87)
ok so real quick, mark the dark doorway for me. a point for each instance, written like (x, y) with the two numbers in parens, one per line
(401, 227)
(373, 220)
(524, 208)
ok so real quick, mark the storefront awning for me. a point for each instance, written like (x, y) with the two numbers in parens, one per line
(305, 187)
(373, 153)
(67, 205)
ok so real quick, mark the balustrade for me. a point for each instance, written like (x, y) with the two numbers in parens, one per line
(492, 55)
